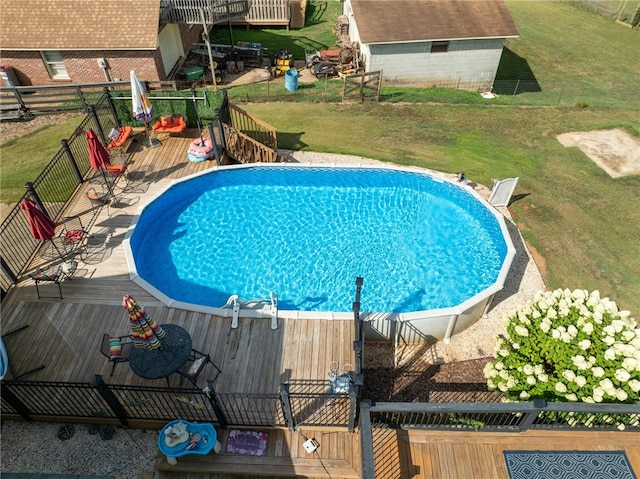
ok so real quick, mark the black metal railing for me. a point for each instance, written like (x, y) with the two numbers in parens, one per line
(51, 189)
(311, 406)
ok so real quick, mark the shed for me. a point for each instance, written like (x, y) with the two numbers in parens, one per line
(447, 43)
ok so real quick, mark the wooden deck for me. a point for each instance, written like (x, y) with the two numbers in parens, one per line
(65, 334)
(416, 454)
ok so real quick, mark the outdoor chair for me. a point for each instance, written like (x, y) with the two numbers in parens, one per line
(116, 349)
(73, 234)
(98, 199)
(53, 275)
(195, 365)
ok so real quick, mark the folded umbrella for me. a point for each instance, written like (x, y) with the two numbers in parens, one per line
(145, 331)
(41, 226)
(98, 156)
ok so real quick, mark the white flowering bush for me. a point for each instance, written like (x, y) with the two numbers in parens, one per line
(568, 346)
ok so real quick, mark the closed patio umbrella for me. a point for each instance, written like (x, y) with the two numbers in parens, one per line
(145, 331)
(98, 156)
(41, 226)
(142, 109)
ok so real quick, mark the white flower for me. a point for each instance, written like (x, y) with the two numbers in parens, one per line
(598, 372)
(629, 364)
(606, 383)
(571, 397)
(555, 334)
(521, 330)
(524, 395)
(610, 330)
(587, 328)
(634, 384)
(610, 354)
(569, 375)
(621, 426)
(528, 369)
(536, 314)
(566, 337)
(545, 326)
(515, 345)
(560, 387)
(531, 380)
(572, 330)
(588, 399)
(580, 381)
(609, 340)
(628, 335)
(622, 375)
(503, 352)
(543, 377)
(584, 344)
(621, 395)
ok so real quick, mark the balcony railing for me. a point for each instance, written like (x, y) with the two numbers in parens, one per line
(192, 11)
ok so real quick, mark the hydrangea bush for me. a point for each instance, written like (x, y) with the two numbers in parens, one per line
(568, 346)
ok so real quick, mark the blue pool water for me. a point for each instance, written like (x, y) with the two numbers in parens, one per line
(307, 233)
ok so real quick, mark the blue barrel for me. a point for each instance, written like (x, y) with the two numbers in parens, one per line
(291, 79)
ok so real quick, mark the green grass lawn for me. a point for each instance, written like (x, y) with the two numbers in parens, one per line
(584, 224)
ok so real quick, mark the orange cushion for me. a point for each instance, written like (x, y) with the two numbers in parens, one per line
(116, 169)
(125, 133)
(166, 121)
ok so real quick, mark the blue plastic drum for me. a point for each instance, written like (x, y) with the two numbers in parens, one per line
(291, 79)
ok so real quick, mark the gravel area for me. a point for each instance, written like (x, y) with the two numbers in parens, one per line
(35, 447)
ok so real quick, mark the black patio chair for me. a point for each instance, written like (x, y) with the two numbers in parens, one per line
(116, 349)
(195, 365)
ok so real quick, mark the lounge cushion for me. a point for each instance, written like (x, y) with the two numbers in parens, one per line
(115, 347)
(125, 133)
(178, 125)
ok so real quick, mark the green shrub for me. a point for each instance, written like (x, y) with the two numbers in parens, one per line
(568, 346)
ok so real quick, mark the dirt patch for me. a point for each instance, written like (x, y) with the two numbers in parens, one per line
(615, 151)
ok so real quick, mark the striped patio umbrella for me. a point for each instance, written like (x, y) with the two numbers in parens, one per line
(145, 331)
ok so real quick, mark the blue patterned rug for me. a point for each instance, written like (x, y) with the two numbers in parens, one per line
(568, 465)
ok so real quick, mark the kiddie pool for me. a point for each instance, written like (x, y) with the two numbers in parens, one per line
(170, 211)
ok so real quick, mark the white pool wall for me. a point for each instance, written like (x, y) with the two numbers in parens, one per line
(414, 327)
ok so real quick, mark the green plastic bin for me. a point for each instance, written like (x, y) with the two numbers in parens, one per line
(193, 73)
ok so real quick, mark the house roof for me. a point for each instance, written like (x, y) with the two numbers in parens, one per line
(79, 24)
(393, 21)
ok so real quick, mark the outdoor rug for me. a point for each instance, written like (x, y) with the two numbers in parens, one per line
(247, 443)
(568, 465)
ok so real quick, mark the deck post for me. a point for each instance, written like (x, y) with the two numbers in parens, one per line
(366, 440)
(112, 107)
(216, 151)
(36, 198)
(213, 400)
(110, 398)
(14, 402)
(286, 405)
(353, 405)
(96, 123)
(7, 270)
(530, 416)
(72, 160)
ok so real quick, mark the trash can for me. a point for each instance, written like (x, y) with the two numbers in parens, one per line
(291, 79)
(193, 73)
(8, 76)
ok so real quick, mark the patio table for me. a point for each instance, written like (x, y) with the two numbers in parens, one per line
(173, 353)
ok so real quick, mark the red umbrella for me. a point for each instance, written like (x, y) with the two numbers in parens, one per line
(42, 227)
(98, 155)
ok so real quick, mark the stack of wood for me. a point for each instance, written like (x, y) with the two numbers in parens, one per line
(342, 25)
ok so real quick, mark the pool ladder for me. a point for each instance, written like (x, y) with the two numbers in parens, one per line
(235, 301)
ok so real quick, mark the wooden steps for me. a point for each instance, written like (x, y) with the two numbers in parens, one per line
(337, 456)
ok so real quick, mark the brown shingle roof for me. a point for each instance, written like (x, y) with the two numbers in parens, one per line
(78, 24)
(390, 21)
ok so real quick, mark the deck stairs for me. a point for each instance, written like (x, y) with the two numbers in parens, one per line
(337, 456)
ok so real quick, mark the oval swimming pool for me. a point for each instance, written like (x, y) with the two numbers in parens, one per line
(306, 232)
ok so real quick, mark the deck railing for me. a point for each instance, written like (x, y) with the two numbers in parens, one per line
(297, 404)
(51, 189)
(493, 417)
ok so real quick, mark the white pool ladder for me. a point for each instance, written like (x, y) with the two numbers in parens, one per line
(233, 299)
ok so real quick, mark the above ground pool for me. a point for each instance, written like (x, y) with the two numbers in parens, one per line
(306, 232)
